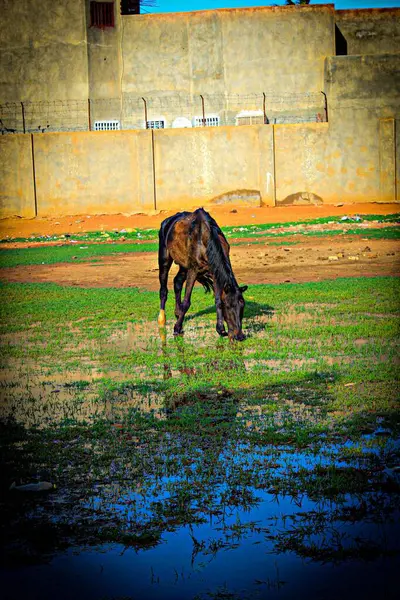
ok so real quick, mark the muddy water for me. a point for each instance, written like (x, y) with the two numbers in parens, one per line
(238, 553)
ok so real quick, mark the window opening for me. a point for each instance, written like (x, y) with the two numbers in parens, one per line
(208, 121)
(130, 7)
(156, 124)
(107, 125)
(340, 42)
(102, 14)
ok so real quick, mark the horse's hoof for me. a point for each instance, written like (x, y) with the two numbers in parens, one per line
(178, 332)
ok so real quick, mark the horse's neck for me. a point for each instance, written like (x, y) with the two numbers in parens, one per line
(220, 265)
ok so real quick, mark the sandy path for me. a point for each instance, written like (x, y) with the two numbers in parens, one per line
(311, 259)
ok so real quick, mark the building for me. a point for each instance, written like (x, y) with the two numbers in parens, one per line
(77, 65)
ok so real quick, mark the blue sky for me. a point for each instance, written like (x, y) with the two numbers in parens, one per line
(182, 5)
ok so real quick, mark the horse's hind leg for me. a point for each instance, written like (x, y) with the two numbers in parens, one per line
(190, 281)
(164, 265)
(179, 280)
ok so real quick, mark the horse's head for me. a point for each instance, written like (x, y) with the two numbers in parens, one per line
(232, 307)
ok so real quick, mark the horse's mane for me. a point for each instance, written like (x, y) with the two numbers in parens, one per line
(219, 263)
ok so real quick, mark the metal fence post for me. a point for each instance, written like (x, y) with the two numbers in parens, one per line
(325, 105)
(266, 120)
(23, 116)
(203, 111)
(89, 115)
(145, 112)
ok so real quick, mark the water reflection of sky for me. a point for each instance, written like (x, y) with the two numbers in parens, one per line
(167, 573)
(178, 568)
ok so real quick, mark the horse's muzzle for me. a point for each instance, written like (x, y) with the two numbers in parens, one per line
(238, 337)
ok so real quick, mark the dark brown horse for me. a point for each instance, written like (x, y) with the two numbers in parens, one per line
(197, 245)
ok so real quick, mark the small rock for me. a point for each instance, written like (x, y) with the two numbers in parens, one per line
(353, 258)
(40, 486)
(333, 258)
(367, 249)
(233, 211)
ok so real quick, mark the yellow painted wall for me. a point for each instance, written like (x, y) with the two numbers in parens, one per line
(193, 166)
(16, 176)
(93, 172)
(363, 91)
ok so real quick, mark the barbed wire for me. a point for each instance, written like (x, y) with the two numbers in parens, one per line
(161, 111)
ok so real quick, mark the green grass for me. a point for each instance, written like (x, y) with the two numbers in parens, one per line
(70, 253)
(77, 253)
(231, 231)
(144, 434)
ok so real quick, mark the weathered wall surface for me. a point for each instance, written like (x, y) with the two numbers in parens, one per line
(301, 167)
(236, 51)
(109, 172)
(104, 60)
(364, 92)
(16, 176)
(370, 31)
(194, 166)
(93, 172)
(43, 50)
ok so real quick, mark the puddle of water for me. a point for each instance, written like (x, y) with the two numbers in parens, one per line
(230, 559)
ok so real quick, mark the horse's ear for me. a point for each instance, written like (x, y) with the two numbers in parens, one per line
(243, 288)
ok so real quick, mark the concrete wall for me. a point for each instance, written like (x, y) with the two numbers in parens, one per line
(43, 50)
(104, 58)
(16, 176)
(109, 172)
(194, 166)
(93, 172)
(237, 51)
(364, 94)
(370, 31)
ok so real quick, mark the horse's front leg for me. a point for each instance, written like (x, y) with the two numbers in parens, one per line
(190, 281)
(164, 265)
(220, 317)
(179, 280)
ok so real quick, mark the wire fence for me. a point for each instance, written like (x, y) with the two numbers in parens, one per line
(162, 111)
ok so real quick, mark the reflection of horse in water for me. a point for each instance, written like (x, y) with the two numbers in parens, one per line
(196, 243)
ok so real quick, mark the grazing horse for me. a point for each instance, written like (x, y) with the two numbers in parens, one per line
(197, 245)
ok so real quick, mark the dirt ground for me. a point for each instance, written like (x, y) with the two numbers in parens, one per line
(313, 259)
(224, 215)
(298, 257)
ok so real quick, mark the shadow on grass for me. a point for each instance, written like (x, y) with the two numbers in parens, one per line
(251, 311)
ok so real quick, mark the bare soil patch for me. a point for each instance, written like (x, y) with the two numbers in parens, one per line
(225, 216)
(310, 259)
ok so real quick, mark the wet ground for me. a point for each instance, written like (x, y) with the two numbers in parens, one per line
(175, 472)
